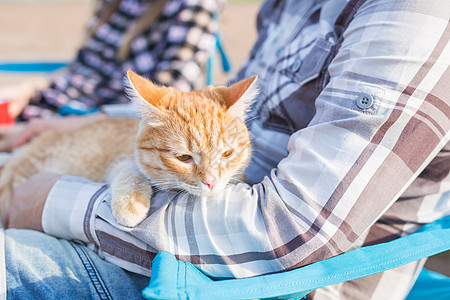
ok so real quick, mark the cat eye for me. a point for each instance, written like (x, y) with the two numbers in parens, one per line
(228, 153)
(184, 158)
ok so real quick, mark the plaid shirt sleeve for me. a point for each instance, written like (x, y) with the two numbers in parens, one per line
(173, 51)
(381, 119)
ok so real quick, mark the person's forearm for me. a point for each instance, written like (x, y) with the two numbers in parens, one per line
(68, 204)
(27, 203)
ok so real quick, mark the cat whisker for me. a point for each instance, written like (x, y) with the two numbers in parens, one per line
(182, 192)
(251, 119)
(179, 192)
(235, 181)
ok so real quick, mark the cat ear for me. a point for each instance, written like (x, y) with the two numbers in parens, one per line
(146, 95)
(239, 96)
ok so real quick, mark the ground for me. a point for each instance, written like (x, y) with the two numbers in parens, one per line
(52, 30)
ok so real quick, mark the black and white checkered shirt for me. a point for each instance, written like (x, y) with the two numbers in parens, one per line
(172, 51)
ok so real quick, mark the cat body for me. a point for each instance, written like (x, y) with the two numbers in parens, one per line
(91, 152)
(194, 142)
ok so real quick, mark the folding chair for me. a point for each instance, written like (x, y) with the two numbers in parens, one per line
(226, 62)
(174, 279)
(32, 67)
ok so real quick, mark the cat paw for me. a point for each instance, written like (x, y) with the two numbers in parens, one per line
(130, 210)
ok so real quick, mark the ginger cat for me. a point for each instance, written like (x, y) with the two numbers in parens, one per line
(194, 142)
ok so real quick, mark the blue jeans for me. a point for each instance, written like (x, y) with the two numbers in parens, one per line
(39, 266)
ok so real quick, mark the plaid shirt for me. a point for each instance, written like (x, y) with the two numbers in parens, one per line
(351, 135)
(172, 51)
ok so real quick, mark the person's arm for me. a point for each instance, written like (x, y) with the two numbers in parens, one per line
(25, 211)
(342, 171)
(21, 133)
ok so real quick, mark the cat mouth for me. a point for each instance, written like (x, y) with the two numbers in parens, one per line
(198, 190)
(195, 190)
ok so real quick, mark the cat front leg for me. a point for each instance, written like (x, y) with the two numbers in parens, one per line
(130, 192)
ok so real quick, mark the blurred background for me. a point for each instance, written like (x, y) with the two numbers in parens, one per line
(52, 30)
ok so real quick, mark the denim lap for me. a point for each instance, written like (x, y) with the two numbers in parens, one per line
(39, 266)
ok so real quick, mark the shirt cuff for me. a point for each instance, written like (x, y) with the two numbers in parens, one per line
(68, 207)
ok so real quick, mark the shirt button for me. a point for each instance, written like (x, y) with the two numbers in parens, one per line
(296, 66)
(364, 101)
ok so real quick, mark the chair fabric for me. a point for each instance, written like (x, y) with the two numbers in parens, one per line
(430, 285)
(173, 279)
(226, 62)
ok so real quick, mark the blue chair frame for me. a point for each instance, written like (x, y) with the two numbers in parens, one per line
(32, 67)
(174, 279)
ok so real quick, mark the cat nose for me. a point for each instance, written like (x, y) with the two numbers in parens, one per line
(209, 183)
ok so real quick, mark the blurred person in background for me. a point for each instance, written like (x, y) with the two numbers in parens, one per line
(167, 41)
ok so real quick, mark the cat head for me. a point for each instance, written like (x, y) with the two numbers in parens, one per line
(197, 141)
